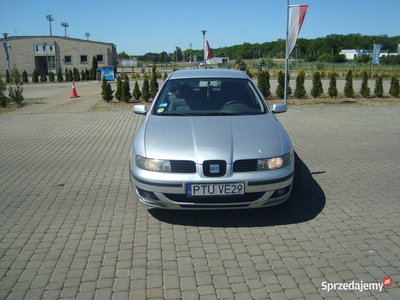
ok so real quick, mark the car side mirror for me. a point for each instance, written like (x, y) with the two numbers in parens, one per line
(140, 109)
(279, 108)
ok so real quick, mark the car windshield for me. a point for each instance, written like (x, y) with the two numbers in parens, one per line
(209, 96)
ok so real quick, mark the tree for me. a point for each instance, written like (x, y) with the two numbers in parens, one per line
(25, 77)
(146, 90)
(332, 90)
(8, 77)
(35, 77)
(136, 93)
(67, 75)
(95, 66)
(394, 87)
(379, 87)
(126, 90)
(76, 75)
(51, 76)
(280, 90)
(264, 83)
(348, 88)
(365, 91)
(300, 90)
(3, 98)
(59, 75)
(106, 91)
(15, 93)
(43, 77)
(118, 92)
(153, 82)
(317, 90)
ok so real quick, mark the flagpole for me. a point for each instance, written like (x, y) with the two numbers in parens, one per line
(286, 54)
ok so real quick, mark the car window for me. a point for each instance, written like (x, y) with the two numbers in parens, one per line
(209, 96)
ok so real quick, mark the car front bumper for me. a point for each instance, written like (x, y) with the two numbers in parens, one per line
(168, 191)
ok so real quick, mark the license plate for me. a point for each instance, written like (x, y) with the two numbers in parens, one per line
(215, 189)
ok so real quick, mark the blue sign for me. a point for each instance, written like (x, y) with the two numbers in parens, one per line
(107, 72)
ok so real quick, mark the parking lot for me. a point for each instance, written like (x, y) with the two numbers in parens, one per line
(71, 227)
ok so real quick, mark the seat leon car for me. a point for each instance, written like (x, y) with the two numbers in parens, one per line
(210, 141)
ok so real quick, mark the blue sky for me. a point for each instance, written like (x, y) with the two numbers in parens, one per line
(138, 27)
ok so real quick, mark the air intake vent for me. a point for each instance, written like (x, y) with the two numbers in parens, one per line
(245, 165)
(183, 166)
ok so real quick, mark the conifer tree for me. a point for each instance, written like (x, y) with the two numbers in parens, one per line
(95, 66)
(67, 75)
(348, 88)
(15, 93)
(153, 82)
(300, 90)
(106, 91)
(4, 100)
(365, 91)
(280, 89)
(76, 75)
(71, 75)
(51, 76)
(394, 87)
(317, 90)
(264, 83)
(7, 77)
(35, 77)
(379, 87)
(118, 92)
(146, 90)
(332, 90)
(126, 90)
(43, 77)
(59, 75)
(25, 77)
(136, 93)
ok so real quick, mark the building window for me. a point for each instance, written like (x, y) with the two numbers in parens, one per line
(68, 59)
(52, 62)
(84, 59)
(100, 58)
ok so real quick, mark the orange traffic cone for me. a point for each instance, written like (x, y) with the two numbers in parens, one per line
(74, 94)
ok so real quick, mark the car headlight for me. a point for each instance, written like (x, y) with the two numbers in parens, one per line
(274, 162)
(150, 164)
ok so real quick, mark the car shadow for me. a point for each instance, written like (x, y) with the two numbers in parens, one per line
(307, 201)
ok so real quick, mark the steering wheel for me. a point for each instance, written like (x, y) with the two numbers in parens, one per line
(233, 102)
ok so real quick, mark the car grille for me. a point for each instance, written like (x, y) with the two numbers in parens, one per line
(245, 165)
(183, 166)
(248, 197)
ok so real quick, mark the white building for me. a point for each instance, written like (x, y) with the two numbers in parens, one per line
(353, 53)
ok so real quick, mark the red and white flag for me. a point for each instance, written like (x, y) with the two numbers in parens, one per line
(207, 51)
(297, 14)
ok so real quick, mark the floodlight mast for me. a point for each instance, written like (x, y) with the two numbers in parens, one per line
(50, 19)
(65, 25)
(87, 34)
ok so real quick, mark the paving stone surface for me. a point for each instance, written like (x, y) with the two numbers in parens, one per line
(71, 228)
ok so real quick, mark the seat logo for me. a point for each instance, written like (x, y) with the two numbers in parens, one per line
(214, 169)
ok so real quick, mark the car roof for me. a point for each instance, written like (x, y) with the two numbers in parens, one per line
(208, 73)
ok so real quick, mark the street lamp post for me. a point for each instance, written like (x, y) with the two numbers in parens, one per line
(50, 19)
(65, 25)
(190, 57)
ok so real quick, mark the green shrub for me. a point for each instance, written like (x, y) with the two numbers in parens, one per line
(300, 90)
(317, 90)
(379, 87)
(348, 88)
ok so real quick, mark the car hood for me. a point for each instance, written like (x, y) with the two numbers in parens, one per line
(200, 138)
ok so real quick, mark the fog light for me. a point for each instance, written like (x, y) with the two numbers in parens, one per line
(147, 195)
(281, 192)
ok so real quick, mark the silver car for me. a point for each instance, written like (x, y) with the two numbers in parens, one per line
(210, 141)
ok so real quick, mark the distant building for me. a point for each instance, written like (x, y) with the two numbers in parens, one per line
(48, 53)
(218, 60)
(353, 53)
